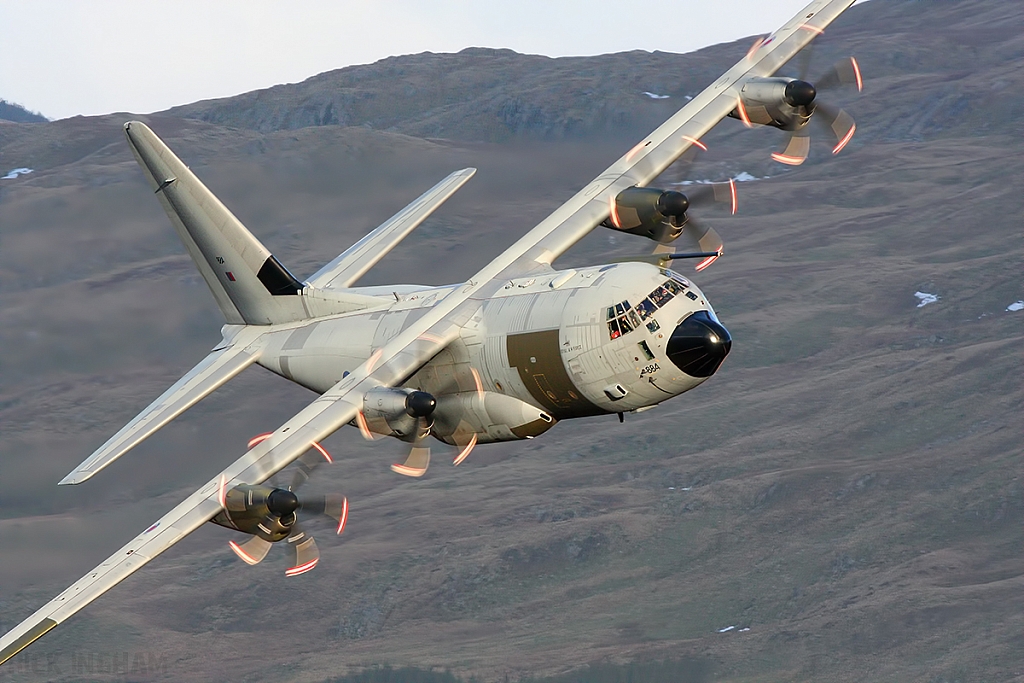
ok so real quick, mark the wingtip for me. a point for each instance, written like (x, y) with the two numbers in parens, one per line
(76, 477)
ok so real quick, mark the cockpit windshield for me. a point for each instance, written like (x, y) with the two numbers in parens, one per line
(622, 319)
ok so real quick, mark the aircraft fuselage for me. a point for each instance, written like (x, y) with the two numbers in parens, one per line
(575, 343)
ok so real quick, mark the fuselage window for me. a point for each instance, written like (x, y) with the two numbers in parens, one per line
(646, 309)
(653, 326)
(646, 350)
(661, 296)
(613, 329)
(673, 286)
(691, 295)
(622, 320)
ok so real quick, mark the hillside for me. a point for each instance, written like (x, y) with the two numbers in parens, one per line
(10, 111)
(960, 52)
(847, 487)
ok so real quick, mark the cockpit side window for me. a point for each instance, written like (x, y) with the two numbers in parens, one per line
(661, 296)
(621, 320)
(613, 329)
(646, 308)
(673, 286)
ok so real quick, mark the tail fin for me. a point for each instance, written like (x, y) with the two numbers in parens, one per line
(249, 284)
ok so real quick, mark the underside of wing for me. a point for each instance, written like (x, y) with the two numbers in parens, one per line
(361, 256)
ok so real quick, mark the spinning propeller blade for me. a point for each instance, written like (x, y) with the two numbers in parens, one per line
(803, 95)
(306, 554)
(416, 464)
(252, 551)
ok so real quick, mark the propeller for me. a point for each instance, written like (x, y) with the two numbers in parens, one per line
(803, 96)
(464, 437)
(281, 520)
(420, 406)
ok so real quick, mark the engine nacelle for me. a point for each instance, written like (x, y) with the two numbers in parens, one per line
(399, 412)
(785, 103)
(490, 416)
(656, 214)
(259, 510)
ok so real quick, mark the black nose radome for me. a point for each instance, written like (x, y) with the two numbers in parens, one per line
(699, 345)
(282, 502)
(800, 93)
(420, 404)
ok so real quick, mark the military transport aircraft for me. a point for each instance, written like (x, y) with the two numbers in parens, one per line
(502, 356)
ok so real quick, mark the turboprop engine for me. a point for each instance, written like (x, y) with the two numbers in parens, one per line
(661, 215)
(790, 103)
(269, 515)
(780, 102)
(402, 413)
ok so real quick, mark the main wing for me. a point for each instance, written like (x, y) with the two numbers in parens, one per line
(390, 365)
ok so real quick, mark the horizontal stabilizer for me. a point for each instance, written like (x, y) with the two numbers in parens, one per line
(202, 380)
(361, 256)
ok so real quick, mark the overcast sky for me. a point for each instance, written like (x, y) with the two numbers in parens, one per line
(68, 57)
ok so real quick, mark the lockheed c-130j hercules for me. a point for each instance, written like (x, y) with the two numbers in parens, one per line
(502, 356)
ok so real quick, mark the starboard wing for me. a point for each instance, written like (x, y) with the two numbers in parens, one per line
(351, 264)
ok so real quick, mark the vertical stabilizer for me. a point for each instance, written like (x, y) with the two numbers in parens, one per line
(249, 284)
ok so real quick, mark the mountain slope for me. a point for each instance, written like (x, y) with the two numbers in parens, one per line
(10, 111)
(495, 95)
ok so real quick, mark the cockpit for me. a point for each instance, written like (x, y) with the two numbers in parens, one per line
(624, 318)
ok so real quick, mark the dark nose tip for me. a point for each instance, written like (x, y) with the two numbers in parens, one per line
(699, 345)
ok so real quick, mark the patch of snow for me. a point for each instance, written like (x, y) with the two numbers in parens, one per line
(726, 629)
(16, 172)
(744, 629)
(741, 177)
(686, 488)
(655, 96)
(671, 488)
(925, 298)
(687, 97)
(1016, 306)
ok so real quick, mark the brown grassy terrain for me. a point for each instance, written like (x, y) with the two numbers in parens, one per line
(847, 487)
